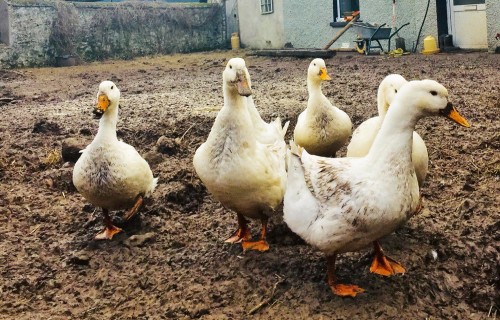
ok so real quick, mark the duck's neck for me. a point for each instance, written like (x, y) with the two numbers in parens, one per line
(233, 100)
(315, 95)
(254, 113)
(235, 113)
(314, 87)
(393, 143)
(107, 124)
(381, 105)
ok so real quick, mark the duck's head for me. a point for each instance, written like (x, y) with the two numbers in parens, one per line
(235, 77)
(430, 98)
(317, 71)
(108, 95)
(387, 91)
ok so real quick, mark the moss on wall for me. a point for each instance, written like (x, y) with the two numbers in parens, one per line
(95, 31)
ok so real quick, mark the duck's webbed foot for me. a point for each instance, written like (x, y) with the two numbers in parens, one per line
(384, 265)
(110, 230)
(346, 290)
(261, 244)
(242, 233)
(343, 290)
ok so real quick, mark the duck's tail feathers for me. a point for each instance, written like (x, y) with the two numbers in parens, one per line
(154, 183)
(295, 149)
(285, 127)
(281, 129)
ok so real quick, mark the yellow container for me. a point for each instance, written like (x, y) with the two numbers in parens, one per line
(235, 41)
(430, 46)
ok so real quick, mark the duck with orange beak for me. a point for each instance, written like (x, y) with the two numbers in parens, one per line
(245, 175)
(345, 204)
(110, 173)
(322, 129)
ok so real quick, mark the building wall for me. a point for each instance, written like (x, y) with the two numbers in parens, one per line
(108, 30)
(406, 11)
(258, 30)
(307, 24)
(493, 23)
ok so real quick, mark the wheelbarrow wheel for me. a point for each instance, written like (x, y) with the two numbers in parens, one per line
(360, 46)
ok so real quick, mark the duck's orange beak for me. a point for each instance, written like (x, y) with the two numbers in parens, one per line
(451, 113)
(242, 84)
(102, 105)
(323, 75)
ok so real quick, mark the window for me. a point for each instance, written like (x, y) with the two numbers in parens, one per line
(342, 8)
(266, 6)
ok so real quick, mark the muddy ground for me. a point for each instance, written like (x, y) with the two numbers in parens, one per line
(172, 263)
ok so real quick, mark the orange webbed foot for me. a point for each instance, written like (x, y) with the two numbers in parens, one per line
(386, 266)
(260, 245)
(346, 290)
(108, 233)
(241, 234)
(343, 290)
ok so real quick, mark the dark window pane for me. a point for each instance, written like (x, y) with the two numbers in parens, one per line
(464, 2)
(343, 7)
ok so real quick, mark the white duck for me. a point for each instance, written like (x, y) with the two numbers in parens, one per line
(267, 133)
(110, 173)
(344, 204)
(322, 129)
(240, 172)
(363, 136)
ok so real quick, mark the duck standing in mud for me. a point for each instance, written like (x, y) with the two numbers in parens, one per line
(245, 175)
(345, 204)
(110, 173)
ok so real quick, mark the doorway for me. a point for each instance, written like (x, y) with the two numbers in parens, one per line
(468, 23)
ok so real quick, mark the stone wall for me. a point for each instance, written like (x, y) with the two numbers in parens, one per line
(493, 23)
(40, 30)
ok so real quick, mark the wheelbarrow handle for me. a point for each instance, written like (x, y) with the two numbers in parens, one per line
(397, 30)
(379, 27)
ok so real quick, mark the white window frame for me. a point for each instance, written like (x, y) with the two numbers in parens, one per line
(266, 6)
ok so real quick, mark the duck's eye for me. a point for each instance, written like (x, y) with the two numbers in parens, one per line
(434, 93)
(396, 90)
(314, 64)
(230, 66)
(112, 87)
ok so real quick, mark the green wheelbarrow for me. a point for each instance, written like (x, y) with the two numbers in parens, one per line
(368, 34)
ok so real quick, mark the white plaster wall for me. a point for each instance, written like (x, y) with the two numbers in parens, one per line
(307, 24)
(493, 23)
(258, 30)
(380, 11)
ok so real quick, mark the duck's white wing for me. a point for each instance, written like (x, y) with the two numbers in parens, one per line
(318, 202)
(265, 173)
(420, 158)
(250, 181)
(266, 133)
(340, 204)
(139, 173)
(362, 138)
